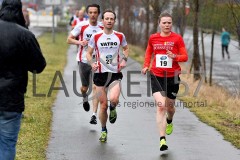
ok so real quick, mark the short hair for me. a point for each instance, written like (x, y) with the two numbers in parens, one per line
(109, 10)
(94, 5)
(164, 14)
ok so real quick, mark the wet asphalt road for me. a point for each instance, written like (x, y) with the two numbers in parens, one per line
(226, 72)
(134, 135)
(37, 31)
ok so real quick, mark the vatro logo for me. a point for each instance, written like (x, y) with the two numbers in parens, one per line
(163, 61)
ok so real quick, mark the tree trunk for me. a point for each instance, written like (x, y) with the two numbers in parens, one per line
(147, 23)
(183, 20)
(157, 11)
(196, 57)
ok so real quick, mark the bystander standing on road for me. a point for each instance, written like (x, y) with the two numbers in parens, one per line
(168, 49)
(108, 67)
(19, 53)
(84, 30)
(225, 39)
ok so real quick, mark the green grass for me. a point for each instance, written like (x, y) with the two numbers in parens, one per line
(137, 53)
(35, 128)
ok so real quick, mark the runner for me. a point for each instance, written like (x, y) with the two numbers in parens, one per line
(84, 31)
(169, 49)
(75, 16)
(107, 68)
(79, 19)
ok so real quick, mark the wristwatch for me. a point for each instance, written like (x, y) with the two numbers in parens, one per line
(125, 58)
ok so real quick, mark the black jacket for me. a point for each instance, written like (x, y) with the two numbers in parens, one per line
(19, 53)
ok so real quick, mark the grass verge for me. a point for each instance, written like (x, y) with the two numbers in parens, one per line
(212, 105)
(35, 128)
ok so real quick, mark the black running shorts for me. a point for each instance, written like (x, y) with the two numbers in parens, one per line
(106, 78)
(167, 86)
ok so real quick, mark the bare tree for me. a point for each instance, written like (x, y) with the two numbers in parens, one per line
(233, 6)
(158, 6)
(196, 56)
(146, 3)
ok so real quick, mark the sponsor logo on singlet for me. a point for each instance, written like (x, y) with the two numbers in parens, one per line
(111, 44)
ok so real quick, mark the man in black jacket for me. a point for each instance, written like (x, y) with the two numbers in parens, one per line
(19, 53)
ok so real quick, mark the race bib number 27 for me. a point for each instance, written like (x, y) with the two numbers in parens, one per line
(163, 61)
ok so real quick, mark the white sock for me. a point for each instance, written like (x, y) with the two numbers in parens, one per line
(94, 114)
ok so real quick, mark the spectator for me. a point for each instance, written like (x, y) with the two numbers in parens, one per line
(19, 53)
(225, 39)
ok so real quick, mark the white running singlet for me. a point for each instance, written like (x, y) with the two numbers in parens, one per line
(84, 30)
(107, 50)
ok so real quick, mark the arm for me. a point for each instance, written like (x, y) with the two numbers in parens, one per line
(35, 60)
(125, 51)
(89, 58)
(148, 57)
(72, 40)
(74, 33)
(182, 56)
(125, 57)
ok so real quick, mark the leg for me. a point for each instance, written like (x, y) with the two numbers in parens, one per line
(170, 108)
(114, 93)
(114, 99)
(103, 112)
(161, 119)
(226, 47)
(103, 105)
(223, 51)
(9, 128)
(95, 102)
(85, 74)
(161, 113)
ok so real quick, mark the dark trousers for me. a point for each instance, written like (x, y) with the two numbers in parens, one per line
(225, 47)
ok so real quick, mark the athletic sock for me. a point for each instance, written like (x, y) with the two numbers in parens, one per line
(104, 129)
(111, 107)
(169, 121)
(94, 114)
(163, 137)
(85, 97)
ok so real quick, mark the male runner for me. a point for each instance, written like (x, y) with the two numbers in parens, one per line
(107, 68)
(84, 30)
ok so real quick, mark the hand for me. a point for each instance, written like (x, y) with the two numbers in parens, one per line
(83, 43)
(144, 70)
(123, 64)
(170, 54)
(94, 66)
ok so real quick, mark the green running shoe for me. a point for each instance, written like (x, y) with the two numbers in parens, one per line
(163, 145)
(103, 137)
(113, 115)
(169, 128)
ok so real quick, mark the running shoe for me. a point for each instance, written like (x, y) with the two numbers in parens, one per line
(86, 106)
(163, 145)
(169, 128)
(113, 115)
(93, 120)
(103, 137)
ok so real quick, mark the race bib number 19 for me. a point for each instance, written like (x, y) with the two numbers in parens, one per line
(163, 61)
